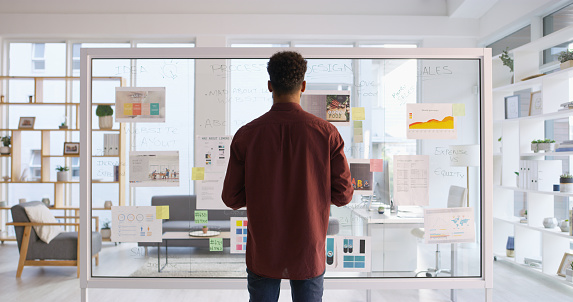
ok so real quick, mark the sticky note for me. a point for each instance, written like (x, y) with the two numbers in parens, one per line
(376, 165)
(358, 114)
(201, 217)
(215, 244)
(198, 173)
(459, 109)
(357, 131)
(162, 212)
(359, 138)
(239, 223)
(357, 124)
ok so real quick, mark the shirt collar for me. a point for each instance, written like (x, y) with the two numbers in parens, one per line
(285, 107)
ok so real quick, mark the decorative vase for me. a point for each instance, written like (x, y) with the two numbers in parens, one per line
(565, 184)
(5, 150)
(550, 222)
(535, 147)
(106, 122)
(105, 233)
(107, 204)
(46, 201)
(510, 247)
(569, 274)
(564, 225)
(566, 64)
(62, 176)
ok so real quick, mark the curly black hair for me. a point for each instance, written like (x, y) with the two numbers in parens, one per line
(286, 71)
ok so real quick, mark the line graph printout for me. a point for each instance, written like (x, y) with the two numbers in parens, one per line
(449, 225)
(430, 121)
(411, 180)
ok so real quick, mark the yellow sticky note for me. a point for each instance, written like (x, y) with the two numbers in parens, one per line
(358, 114)
(239, 223)
(459, 109)
(162, 212)
(198, 173)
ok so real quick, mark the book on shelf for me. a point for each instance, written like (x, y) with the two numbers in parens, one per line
(564, 149)
(115, 173)
(110, 144)
(539, 175)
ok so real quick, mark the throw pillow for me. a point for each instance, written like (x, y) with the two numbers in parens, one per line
(41, 214)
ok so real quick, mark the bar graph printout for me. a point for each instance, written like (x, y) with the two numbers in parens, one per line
(449, 225)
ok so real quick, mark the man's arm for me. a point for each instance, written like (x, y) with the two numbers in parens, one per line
(234, 186)
(341, 188)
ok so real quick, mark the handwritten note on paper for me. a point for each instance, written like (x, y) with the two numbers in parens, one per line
(201, 217)
(215, 244)
(459, 109)
(162, 212)
(358, 114)
(198, 173)
(411, 180)
(376, 165)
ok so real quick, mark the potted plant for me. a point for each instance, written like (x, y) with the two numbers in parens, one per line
(564, 225)
(63, 126)
(105, 229)
(6, 141)
(566, 183)
(104, 113)
(205, 229)
(506, 60)
(546, 145)
(566, 59)
(380, 210)
(535, 146)
(62, 173)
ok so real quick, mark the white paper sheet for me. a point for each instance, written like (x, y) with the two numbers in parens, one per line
(348, 254)
(411, 180)
(212, 152)
(239, 235)
(430, 121)
(449, 225)
(154, 168)
(140, 104)
(135, 224)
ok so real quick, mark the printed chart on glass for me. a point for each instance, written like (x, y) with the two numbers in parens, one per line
(348, 253)
(154, 168)
(135, 224)
(239, 235)
(140, 104)
(430, 121)
(450, 225)
(212, 154)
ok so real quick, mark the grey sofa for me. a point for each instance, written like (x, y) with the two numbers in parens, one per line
(62, 250)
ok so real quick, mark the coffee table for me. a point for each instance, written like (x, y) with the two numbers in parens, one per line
(167, 236)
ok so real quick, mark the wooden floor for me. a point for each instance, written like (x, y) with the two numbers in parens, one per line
(511, 283)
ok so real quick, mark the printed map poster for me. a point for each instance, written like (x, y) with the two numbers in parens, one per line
(154, 169)
(361, 176)
(331, 105)
(135, 224)
(239, 235)
(411, 180)
(449, 225)
(212, 153)
(140, 104)
(430, 121)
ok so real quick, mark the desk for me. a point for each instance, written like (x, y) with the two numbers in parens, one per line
(394, 248)
(180, 236)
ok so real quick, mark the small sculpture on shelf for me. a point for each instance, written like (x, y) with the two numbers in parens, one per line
(566, 59)
(62, 174)
(6, 142)
(105, 113)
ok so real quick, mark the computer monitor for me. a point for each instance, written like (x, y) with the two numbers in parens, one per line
(382, 185)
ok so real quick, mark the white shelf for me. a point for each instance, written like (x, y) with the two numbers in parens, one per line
(554, 231)
(546, 116)
(568, 153)
(534, 191)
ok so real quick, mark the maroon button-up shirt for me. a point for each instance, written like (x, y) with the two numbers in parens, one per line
(287, 167)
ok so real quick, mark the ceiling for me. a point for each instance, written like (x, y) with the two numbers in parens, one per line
(452, 8)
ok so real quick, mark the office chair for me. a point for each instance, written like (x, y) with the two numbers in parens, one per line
(456, 199)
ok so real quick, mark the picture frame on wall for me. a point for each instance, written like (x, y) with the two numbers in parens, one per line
(535, 103)
(27, 122)
(565, 263)
(71, 148)
(512, 107)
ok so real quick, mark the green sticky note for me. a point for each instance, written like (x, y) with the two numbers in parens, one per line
(215, 244)
(358, 114)
(198, 173)
(357, 124)
(459, 109)
(201, 217)
(357, 131)
(162, 212)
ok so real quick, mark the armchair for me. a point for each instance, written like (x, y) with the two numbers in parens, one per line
(63, 250)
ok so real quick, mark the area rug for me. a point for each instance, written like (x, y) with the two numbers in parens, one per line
(200, 267)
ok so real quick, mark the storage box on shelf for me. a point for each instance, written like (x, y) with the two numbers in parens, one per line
(11, 164)
(533, 242)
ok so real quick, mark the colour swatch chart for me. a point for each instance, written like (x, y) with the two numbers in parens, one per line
(348, 253)
(449, 225)
(140, 104)
(430, 121)
(212, 153)
(411, 180)
(135, 224)
(239, 235)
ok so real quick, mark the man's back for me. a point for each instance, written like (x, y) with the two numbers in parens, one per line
(294, 167)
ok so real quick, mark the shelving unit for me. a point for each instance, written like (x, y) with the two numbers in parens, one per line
(532, 240)
(11, 165)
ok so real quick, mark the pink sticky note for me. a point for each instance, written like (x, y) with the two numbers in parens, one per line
(376, 165)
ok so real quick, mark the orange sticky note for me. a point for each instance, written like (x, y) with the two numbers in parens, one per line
(376, 165)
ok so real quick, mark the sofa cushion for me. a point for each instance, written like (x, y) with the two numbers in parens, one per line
(63, 247)
(41, 214)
